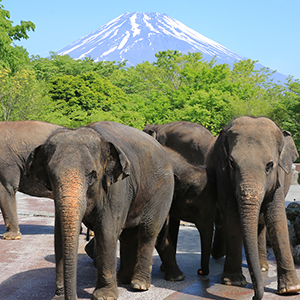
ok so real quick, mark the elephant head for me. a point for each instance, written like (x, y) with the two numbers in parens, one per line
(77, 165)
(254, 157)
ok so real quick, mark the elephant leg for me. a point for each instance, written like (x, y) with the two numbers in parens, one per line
(219, 242)
(174, 225)
(8, 207)
(262, 245)
(106, 246)
(205, 228)
(232, 274)
(128, 254)
(167, 253)
(90, 249)
(276, 222)
(142, 272)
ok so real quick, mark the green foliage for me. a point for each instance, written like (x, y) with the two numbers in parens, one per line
(175, 87)
(78, 97)
(21, 95)
(12, 57)
(58, 65)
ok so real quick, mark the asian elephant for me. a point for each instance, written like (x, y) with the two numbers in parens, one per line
(193, 142)
(253, 160)
(17, 140)
(194, 201)
(112, 177)
(189, 139)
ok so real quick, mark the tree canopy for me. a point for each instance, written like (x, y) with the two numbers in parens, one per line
(174, 87)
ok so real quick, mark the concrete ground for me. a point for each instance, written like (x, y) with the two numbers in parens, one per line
(27, 266)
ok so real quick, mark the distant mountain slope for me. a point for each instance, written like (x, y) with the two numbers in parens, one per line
(137, 37)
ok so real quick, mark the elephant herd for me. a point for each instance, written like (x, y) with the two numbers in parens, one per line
(135, 186)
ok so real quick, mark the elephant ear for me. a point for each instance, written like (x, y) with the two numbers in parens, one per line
(36, 167)
(289, 152)
(117, 165)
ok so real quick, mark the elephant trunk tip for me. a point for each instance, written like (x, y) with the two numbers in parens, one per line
(258, 293)
(202, 272)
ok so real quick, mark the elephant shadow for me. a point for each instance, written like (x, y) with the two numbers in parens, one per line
(31, 229)
(39, 283)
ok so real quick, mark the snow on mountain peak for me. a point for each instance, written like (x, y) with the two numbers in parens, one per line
(137, 37)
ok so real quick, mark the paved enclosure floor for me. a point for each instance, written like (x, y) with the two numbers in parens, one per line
(27, 266)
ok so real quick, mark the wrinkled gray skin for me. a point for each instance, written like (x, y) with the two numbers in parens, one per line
(194, 201)
(189, 139)
(253, 159)
(112, 177)
(17, 140)
(193, 142)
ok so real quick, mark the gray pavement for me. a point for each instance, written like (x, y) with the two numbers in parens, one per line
(27, 267)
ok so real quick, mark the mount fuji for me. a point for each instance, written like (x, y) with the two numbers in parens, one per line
(137, 37)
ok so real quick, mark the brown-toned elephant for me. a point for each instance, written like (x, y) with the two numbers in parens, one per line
(17, 140)
(193, 142)
(253, 160)
(194, 201)
(189, 139)
(112, 177)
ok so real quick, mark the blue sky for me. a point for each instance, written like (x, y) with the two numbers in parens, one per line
(263, 30)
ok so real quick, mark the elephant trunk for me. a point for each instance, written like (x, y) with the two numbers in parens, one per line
(206, 235)
(249, 208)
(70, 206)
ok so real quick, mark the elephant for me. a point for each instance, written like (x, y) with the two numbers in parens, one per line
(191, 140)
(18, 139)
(194, 201)
(119, 182)
(252, 160)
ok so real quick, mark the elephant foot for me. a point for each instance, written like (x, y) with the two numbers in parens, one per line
(59, 297)
(288, 287)
(59, 293)
(106, 294)
(234, 279)
(140, 285)
(264, 267)
(202, 272)
(12, 235)
(141, 280)
(173, 273)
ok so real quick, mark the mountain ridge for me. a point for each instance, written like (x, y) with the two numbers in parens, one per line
(137, 37)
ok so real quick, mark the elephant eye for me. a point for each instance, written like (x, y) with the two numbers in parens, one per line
(231, 163)
(269, 167)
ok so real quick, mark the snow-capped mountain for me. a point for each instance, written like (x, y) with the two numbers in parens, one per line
(137, 37)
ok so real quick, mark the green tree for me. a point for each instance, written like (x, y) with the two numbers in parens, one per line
(22, 97)
(75, 99)
(59, 65)
(12, 57)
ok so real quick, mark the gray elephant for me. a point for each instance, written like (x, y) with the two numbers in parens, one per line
(193, 142)
(18, 139)
(194, 201)
(115, 179)
(189, 139)
(253, 159)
